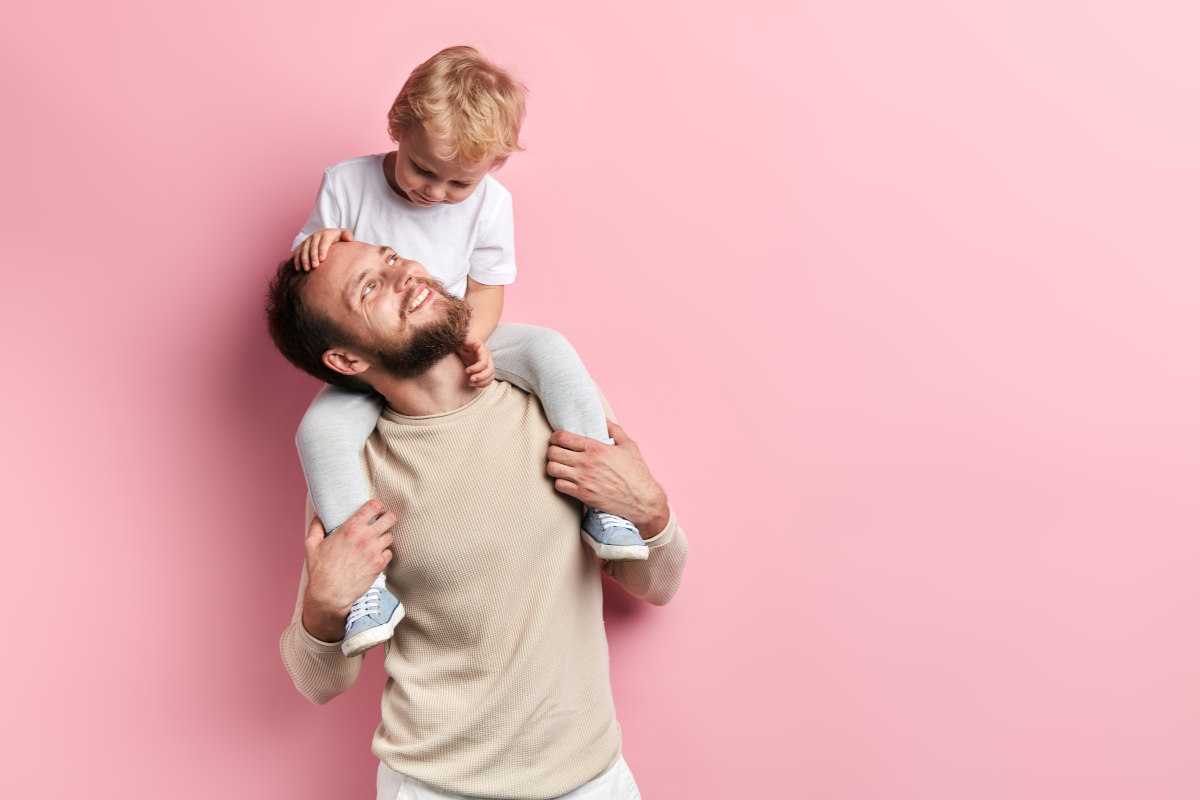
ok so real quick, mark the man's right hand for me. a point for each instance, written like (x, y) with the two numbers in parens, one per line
(342, 565)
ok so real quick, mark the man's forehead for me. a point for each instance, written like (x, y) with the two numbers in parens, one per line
(327, 281)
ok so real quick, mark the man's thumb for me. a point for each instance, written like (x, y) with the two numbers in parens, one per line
(316, 531)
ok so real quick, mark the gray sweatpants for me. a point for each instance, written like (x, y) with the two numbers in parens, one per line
(336, 426)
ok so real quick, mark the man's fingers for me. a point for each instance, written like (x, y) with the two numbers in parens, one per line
(569, 488)
(366, 513)
(570, 441)
(557, 470)
(316, 532)
(562, 456)
(384, 521)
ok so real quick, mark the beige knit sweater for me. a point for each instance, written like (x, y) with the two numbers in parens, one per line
(498, 675)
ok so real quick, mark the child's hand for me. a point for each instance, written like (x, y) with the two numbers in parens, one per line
(313, 250)
(480, 366)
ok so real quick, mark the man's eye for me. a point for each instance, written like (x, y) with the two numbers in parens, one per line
(370, 287)
(392, 259)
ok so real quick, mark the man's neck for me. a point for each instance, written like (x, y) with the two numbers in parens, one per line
(443, 388)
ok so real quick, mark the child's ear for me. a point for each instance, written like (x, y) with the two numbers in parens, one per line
(344, 361)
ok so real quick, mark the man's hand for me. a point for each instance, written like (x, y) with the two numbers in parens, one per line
(342, 565)
(313, 250)
(613, 478)
(480, 366)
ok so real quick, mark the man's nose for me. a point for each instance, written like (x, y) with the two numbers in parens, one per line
(405, 273)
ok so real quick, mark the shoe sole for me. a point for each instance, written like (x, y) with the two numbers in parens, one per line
(361, 643)
(612, 552)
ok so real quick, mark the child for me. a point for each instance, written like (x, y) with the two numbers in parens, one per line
(456, 120)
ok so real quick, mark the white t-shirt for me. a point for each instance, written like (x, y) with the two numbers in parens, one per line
(452, 241)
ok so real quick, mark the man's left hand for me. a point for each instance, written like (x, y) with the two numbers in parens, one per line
(611, 477)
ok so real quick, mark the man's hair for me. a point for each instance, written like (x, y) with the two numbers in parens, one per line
(302, 333)
(470, 106)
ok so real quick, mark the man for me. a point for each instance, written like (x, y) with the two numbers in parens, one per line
(499, 671)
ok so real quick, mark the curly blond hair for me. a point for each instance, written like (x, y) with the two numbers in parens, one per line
(472, 108)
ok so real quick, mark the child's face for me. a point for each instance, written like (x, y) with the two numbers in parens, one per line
(424, 178)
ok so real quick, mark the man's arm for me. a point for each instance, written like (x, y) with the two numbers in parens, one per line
(337, 569)
(614, 478)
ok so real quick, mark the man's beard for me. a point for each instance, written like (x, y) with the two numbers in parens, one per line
(430, 344)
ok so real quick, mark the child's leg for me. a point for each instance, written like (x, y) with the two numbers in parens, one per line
(330, 439)
(543, 362)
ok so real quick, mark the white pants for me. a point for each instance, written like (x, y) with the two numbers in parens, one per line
(616, 784)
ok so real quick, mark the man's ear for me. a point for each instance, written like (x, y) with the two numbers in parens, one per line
(346, 362)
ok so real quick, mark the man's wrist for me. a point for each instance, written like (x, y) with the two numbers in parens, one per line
(655, 520)
(323, 625)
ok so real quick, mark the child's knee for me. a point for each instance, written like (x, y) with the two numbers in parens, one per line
(313, 428)
(336, 417)
(548, 346)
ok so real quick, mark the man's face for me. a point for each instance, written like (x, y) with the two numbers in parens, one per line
(393, 313)
(425, 178)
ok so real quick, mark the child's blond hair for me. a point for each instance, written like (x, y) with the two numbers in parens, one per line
(470, 106)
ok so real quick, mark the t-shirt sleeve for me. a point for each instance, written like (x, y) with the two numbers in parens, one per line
(493, 261)
(326, 213)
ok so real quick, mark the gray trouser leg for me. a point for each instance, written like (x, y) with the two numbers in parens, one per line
(330, 438)
(543, 362)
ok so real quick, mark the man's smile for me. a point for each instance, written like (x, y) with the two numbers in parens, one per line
(419, 300)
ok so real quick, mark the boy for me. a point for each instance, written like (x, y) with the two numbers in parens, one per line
(456, 120)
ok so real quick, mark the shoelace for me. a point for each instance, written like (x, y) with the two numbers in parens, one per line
(364, 606)
(613, 521)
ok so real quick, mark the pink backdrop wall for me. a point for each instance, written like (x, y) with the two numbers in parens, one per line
(900, 300)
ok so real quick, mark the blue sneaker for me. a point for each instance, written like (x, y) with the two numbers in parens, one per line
(372, 619)
(613, 538)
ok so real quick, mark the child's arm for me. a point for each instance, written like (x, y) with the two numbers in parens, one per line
(486, 303)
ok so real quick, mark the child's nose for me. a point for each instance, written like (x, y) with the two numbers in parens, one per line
(435, 191)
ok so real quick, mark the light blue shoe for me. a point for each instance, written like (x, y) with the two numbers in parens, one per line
(372, 619)
(613, 538)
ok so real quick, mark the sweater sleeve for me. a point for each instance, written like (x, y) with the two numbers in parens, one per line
(656, 579)
(318, 669)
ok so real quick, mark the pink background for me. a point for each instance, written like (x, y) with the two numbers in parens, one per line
(900, 300)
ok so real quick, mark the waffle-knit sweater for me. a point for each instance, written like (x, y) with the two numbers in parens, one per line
(498, 679)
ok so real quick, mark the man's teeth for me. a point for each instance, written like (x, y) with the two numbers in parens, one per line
(420, 298)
